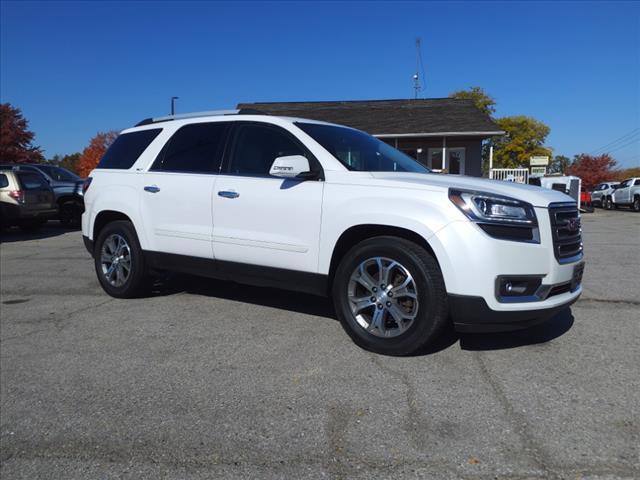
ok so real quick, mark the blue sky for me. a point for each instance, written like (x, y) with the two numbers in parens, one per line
(76, 68)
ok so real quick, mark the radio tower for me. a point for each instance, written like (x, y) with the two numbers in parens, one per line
(417, 84)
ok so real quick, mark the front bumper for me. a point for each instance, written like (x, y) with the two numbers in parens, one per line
(472, 262)
(473, 315)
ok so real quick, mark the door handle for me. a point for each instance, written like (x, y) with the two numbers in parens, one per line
(152, 189)
(228, 194)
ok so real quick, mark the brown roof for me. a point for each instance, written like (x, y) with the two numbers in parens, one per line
(391, 117)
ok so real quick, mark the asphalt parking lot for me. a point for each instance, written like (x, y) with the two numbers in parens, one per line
(208, 379)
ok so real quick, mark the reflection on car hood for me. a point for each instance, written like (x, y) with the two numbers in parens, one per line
(537, 196)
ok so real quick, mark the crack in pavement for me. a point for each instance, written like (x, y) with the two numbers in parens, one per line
(521, 425)
(634, 303)
(197, 458)
(56, 322)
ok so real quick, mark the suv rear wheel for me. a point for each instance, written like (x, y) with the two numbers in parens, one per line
(636, 204)
(389, 295)
(119, 261)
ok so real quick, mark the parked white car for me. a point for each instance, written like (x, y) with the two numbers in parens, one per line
(628, 194)
(602, 194)
(326, 209)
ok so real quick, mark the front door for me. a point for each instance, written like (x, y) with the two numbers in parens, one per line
(263, 220)
(177, 191)
(623, 192)
(453, 160)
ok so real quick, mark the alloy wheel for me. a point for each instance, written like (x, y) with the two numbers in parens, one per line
(115, 260)
(383, 297)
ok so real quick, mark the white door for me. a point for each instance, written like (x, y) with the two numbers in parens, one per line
(178, 190)
(263, 220)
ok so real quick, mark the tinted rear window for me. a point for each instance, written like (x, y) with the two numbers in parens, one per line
(4, 181)
(124, 152)
(32, 181)
(195, 148)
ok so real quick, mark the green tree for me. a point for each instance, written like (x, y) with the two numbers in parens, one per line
(483, 101)
(525, 138)
(559, 164)
(70, 162)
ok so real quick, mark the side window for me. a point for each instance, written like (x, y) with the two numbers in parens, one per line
(257, 146)
(32, 181)
(195, 148)
(637, 182)
(4, 181)
(124, 152)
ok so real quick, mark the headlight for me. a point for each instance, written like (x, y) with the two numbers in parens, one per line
(499, 216)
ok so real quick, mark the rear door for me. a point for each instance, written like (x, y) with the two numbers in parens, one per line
(37, 192)
(177, 196)
(263, 220)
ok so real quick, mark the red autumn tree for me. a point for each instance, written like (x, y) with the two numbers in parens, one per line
(93, 153)
(592, 169)
(16, 138)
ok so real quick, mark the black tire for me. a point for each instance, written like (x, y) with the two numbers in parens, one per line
(30, 226)
(69, 215)
(432, 311)
(137, 281)
(608, 205)
(636, 204)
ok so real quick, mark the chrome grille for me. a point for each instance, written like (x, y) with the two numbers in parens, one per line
(566, 230)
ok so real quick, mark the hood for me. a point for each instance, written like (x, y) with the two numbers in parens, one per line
(537, 196)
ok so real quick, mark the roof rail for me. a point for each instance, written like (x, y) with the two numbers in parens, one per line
(211, 113)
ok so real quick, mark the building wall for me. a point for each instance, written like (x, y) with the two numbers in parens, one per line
(472, 146)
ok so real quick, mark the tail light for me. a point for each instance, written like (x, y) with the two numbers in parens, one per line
(17, 195)
(85, 185)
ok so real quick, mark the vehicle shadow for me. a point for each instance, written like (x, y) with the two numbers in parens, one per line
(50, 229)
(544, 332)
(172, 283)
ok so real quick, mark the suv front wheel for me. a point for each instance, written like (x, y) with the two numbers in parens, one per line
(389, 295)
(119, 261)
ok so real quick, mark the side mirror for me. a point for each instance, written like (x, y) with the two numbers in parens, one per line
(291, 166)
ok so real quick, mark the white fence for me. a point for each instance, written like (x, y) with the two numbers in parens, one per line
(518, 175)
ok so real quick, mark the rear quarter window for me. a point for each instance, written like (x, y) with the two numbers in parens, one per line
(32, 181)
(127, 148)
(4, 181)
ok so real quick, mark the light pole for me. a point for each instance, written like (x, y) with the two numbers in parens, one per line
(173, 105)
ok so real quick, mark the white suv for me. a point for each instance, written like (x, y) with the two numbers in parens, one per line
(326, 209)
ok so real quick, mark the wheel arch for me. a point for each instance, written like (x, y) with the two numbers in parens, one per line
(357, 233)
(67, 199)
(105, 217)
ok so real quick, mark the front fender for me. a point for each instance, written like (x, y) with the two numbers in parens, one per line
(344, 207)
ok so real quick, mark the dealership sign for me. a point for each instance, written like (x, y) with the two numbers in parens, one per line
(539, 161)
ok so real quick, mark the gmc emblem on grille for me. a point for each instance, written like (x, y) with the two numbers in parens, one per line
(573, 224)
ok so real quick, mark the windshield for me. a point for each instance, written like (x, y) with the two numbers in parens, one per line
(359, 151)
(59, 174)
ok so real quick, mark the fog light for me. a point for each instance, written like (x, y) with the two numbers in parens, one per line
(517, 286)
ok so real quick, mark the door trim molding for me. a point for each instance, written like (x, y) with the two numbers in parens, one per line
(306, 282)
